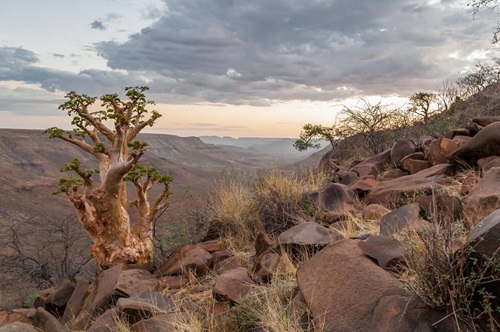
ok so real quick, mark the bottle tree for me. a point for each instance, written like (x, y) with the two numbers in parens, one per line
(100, 195)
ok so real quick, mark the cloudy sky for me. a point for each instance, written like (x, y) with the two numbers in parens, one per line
(232, 67)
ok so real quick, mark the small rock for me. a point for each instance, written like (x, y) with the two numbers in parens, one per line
(374, 212)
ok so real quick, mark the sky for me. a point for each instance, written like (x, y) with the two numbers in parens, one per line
(236, 68)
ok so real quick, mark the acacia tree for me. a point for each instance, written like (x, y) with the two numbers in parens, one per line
(311, 135)
(421, 103)
(101, 200)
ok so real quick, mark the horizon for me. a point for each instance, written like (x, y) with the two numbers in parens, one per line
(227, 69)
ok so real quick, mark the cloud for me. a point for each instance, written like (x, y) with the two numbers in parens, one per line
(57, 55)
(263, 52)
(97, 25)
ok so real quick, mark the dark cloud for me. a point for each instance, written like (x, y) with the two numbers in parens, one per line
(262, 52)
(97, 25)
(57, 55)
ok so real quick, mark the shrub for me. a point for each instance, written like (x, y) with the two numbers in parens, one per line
(451, 279)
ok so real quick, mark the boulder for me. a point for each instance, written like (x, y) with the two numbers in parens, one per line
(61, 295)
(362, 186)
(401, 149)
(440, 208)
(75, 302)
(374, 212)
(348, 178)
(391, 193)
(107, 322)
(484, 197)
(336, 197)
(9, 317)
(346, 291)
(484, 144)
(189, 258)
(266, 264)
(133, 281)
(18, 327)
(415, 163)
(220, 256)
(404, 217)
(484, 121)
(439, 150)
(232, 285)
(391, 174)
(387, 252)
(373, 165)
(263, 243)
(162, 323)
(488, 163)
(461, 140)
(485, 236)
(45, 321)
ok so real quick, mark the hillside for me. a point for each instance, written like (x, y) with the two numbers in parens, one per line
(30, 163)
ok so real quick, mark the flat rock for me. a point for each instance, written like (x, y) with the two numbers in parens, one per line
(173, 282)
(404, 217)
(130, 282)
(144, 304)
(307, 234)
(387, 252)
(18, 327)
(488, 163)
(391, 174)
(485, 236)
(232, 285)
(392, 192)
(228, 264)
(189, 258)
(75, 302)
(484, 197)
(9, 317)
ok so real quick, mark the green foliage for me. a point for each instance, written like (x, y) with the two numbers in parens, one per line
(442, 125)
(148, 171)
(29, 300)
(54, 132)
(311, 135)
(67, 183)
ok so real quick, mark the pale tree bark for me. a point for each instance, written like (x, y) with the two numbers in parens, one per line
(102, 206)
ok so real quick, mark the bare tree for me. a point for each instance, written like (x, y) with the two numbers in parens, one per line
(447, 95)
(368, 120)
(58, 249)
(490, 5)
(101, 204)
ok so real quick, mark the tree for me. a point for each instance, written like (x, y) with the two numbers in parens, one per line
(101, 203)
(311, 135)
(422, 105)
(490, 5)
(368, 120)
(483, 75)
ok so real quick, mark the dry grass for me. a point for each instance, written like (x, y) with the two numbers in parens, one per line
(355, 225)
(444, 273)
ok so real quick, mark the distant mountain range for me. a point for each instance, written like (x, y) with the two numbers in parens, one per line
(279, 149)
